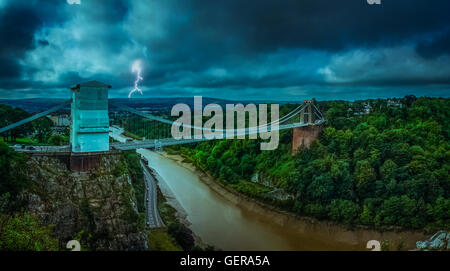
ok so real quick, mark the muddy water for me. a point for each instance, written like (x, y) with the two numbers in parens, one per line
(229, 225)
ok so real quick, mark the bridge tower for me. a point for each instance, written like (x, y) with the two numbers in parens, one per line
(90, 121)
(89, 132)
(303, 137)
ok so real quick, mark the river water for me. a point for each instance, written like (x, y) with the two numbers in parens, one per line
(225, 225)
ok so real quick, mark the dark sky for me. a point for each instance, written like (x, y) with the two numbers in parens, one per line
(237, 49)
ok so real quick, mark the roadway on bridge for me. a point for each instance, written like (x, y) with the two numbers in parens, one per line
(153, 218)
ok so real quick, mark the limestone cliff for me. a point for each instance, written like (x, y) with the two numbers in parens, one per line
(98, 208)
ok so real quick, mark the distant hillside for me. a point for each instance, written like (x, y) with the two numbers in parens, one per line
(159, 104)
(32, 105)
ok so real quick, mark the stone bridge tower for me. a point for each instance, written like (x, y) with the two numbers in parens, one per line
(90, 122)
(302, 137)
(89, 134)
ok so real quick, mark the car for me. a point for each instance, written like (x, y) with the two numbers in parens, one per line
(148, 223)
(31, 148)
(147, 199)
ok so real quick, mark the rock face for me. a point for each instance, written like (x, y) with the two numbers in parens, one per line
(99, 207)
(276, 192)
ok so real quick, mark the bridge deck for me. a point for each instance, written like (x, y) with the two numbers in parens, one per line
(152, 143)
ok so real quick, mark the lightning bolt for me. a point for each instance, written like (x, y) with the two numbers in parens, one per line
(137, 68)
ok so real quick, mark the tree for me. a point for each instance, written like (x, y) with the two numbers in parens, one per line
(387, 170)
(227, 174)
(42, 129)
(201, 158)
(365, 178)
(57, 140)
(403, 211)
(12, 176)
(24, 233)
(321, 189)
(9, 115)
(247, 165)
(366, 216)
(344, 211)
(183, 235)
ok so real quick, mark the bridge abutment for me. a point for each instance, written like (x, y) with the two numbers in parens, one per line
(303, 137)
(84, 162)
(79, 162)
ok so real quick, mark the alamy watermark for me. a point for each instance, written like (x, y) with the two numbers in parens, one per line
(73, 245)
(213, 128)
(74, 2)
(374, 245)
(372, 2)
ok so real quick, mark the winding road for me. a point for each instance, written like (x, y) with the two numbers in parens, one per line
(153, 218)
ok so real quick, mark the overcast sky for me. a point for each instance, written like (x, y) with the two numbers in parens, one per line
(278, 50)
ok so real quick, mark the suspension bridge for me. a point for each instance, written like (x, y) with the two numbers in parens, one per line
(155, 131)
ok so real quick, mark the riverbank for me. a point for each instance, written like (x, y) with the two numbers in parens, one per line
(178, 214)
(349, 239)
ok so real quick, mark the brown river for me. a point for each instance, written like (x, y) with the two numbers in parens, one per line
(244, 225)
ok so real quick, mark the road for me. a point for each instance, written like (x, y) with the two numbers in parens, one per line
(153, 218)
(38, 149)
(116, 133)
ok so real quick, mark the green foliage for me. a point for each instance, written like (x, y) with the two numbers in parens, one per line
(42, 128)
(58, 140)
(183, 235)
(344, 211)
(180, 234)
(160, 240)
(13, 179)
(10, 115)
(389, 167)
(24, 233)
(366, 217)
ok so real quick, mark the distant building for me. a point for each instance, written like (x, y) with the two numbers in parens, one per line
(62, 120)
(393, 103)
(90, 122)
(364, 110)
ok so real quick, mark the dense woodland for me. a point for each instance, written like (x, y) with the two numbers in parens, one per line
(36, 132)
(389, 167)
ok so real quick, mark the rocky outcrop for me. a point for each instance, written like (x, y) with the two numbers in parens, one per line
(99, 207)
(276, 193)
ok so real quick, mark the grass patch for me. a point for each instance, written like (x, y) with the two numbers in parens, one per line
(160, 240)
(23, 140)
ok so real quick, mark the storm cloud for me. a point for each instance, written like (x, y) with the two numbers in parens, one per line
(228, 49)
